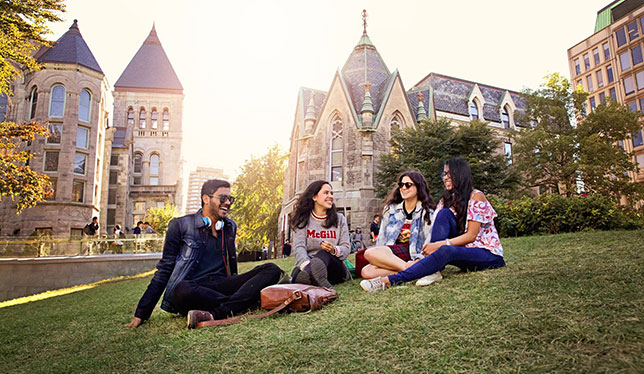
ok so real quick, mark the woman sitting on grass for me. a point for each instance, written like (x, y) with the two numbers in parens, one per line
(405, 227)
(320, 238)
(463, 232)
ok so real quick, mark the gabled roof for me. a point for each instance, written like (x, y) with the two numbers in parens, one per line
(69, 48)
(150, 68)
(451, 95)
(365, 65)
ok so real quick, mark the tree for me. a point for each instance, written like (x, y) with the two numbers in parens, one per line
(557, 152)
(426, 147)
(159, 217)
(23, 25)
(545, 153)
(258, 197)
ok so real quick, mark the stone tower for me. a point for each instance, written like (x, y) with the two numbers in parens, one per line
(69, 93)
(146, 163)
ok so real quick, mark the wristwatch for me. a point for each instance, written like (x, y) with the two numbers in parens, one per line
(447, 242)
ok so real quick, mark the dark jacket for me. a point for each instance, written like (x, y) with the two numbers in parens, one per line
(183, 248)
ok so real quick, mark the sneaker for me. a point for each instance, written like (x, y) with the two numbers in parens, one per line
(429, 279)
(196, 316)
(373, 284)
(300, 276)
(319, 273)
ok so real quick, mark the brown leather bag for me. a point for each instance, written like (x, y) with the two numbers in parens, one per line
(295, 297)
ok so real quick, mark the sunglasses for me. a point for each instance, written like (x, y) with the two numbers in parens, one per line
(444, 174)
(224, 198)
(407, 185)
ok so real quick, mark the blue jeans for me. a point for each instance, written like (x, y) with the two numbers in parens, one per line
(467, 259)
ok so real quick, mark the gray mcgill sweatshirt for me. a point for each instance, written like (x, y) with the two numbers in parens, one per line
(306, 241)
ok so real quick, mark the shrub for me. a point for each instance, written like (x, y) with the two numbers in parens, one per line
(553, 214)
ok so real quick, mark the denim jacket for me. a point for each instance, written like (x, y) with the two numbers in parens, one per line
(393, 219)
(183, 248)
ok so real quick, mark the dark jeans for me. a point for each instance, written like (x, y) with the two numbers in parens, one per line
(225, 296)
(467, 259)
(336, 271)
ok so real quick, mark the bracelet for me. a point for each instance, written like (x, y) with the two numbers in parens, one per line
(447, 242)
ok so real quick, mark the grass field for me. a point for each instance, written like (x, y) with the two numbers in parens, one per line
(565, 303)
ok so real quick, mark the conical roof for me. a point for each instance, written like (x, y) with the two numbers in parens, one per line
(150, 68)
(69, 48)
(365, 65)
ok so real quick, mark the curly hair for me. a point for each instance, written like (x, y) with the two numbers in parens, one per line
(304, 206)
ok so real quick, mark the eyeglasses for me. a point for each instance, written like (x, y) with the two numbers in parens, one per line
(224, 198)
(407, 185)
(444, 174)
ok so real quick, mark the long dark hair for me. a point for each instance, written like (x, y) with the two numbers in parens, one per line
(424, 196)
(458, 197)
(304, 207)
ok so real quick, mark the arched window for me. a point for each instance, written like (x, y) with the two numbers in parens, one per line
(166, 119)
(84, 105)
(474, 110)
(154, 123)
(130, 116)
(142, 118)
(33, 101)
(505, 117)
(396, 123)
(336, 149)
(57, 101)
(154, 170)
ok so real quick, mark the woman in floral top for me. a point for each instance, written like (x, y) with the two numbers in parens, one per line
(463, 233)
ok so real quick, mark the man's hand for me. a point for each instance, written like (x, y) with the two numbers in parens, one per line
(135, 322)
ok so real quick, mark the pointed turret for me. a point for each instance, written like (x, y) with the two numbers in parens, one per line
(69, 48)
(367, 108)
(365, 65)
(309, 119)
(150, 68)
(421, 114)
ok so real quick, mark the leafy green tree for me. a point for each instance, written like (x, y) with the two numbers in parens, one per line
(426, 147)
(23, 26)
(159, 217)
(546, 152)
(557, 152)
(258, 193)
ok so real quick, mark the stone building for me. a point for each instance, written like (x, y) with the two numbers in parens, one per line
(69, 94)
(340, 135)
(609, 65)
(195, 181)
(145, 162)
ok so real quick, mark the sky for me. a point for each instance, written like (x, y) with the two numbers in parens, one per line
(241, 63)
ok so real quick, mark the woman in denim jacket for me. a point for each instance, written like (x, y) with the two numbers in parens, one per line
(405, 227)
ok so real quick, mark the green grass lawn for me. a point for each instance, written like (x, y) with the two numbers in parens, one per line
(565, 303)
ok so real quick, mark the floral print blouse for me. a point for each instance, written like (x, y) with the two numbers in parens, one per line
(488, 237)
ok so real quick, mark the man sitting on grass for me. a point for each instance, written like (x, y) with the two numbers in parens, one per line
(198, 269)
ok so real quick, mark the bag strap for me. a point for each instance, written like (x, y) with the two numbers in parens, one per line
(232, 320)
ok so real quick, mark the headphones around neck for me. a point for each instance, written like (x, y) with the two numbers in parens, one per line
(218, 226)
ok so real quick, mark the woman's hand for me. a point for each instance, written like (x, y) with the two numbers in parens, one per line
(328, 247)
(430, 248)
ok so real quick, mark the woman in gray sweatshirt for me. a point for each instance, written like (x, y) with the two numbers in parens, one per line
(320, 238)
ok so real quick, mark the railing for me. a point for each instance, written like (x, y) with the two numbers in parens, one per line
(43, 246)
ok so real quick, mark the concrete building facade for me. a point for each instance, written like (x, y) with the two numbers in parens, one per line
(609, 64)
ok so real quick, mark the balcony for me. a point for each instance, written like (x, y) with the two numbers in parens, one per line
(150, 190)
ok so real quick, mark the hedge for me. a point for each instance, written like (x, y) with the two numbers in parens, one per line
(553, 214)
